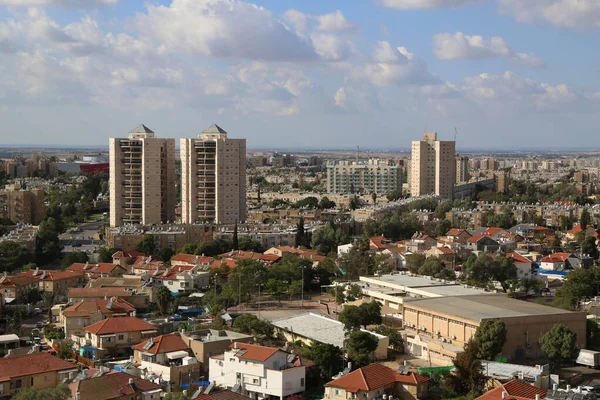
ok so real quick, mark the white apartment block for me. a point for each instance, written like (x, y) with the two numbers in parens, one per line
(142, 179)
(433, 167)
(372, 176)
(213, 184)
(257, 372)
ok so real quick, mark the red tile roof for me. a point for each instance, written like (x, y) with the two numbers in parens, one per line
(253, 352)
(475, 239)
(190, 259)
(86, 307)
(129, 254)
(118, 325)
(556, 257)
(456, 232)
(231, 263)
(51, 275)
(101, 268)
(491, 231)
(515, 389)
(519, 259)
(576, 229)
(163, 344)
(225, 394)
(31, 364)
(377, 242)
(250, 255)
(374, 376)
(113, 385)
(14, 281)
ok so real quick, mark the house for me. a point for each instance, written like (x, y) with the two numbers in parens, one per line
(513, 390)
(419, 243)
(224, 394)
(379, 243)
(182, 278)
(493, 232)
(443, 253)
(37, 370)
(557, 261)
(522, 263)
(57, 282)
(94, 271)
(267, 259)
(577, 230)
(137, 298)
(113, 336)
(312, 255)
(146, 266)
(209, 342)
(166, 358)
(126, 258)
(257, 371)
(12, 286)
(376, 381)
(458, 235)
(483, 243)
(190, 260)
(87, 312)
(113, 386)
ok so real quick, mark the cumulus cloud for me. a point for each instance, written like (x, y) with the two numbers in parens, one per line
(576, 14)
(334, 22)
(227, 29)
(61, 3)
(297, 19)
(458, 46)
(330, 47)
(423, 4)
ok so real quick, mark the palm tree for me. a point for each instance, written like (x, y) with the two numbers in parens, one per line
(163, 299)
(48, 298)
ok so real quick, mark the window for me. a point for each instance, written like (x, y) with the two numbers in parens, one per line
(121, 337)
(337, 392)
(301, 382)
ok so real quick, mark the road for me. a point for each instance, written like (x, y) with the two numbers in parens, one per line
(83, 239)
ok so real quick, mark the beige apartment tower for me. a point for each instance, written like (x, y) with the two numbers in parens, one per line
(213, 184)
(433, 167)
(462, 169)
(142, 179)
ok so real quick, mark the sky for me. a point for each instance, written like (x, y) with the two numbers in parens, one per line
(498, 74)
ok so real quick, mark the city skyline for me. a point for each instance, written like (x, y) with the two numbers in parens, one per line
(506, 74)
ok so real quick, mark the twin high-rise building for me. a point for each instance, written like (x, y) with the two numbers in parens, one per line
(142, 178)
(433, 167)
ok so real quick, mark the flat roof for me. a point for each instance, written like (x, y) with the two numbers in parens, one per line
(509, 371)
(422, 285)
(483, 307)
(9, 338)
(317, 327)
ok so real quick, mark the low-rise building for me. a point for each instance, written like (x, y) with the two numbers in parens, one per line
(94, 271)
(172, 236)
(522, 263)
(183, 278)
(166, 360)
(37, 371)
(138, 299)
(257, 371)
(113, 336)
(57, 282)
(113, 386)
(514, 390)
(376, 381)
(13, 286)
(210, 342)
(87, 312)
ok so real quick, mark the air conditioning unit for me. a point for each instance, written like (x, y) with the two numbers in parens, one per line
(453, 337)
(443, 340)
(437, 332)
(448, 341)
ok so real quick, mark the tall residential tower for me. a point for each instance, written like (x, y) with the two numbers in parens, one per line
(213, 183)
(433, 167)
(142, 179)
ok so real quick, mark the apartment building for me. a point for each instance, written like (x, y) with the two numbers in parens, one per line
(211, 342)
(462, 169)
(259, 372)
(87, 312)
(213, 184)
(142, 178)
(172, 236)
(57, 282)
(22, 206)
(433, 167)
(372, 176)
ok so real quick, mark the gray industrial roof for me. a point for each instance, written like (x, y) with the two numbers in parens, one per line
(214, 128)
(479, 308)
(412, 283)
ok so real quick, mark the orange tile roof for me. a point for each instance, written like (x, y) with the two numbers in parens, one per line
(14, 281)
(51, 275)
(191, 259)
(224, 394)
(250, 255)
(163, 344)
(31, 364)
(516, 390)
(491, 231)
(129, 254)
(101, 268)
(518, 258)
(231, 263)
(557, 257)
(455, 232)
(118, 325)
(86, 307)
(253, 352)
(88, 292)
(374, 376)
(475, 239)
(576, 229)
(114, 385)
(377, 242)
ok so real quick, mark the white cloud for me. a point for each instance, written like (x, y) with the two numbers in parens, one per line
(296, 18)
(422, 4)
(458, 46)
(61, 3)
(227, 29)
(334, 22)
(331, 47)
(576, 14)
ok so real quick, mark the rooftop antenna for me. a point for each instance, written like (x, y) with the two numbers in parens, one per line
(357, 152)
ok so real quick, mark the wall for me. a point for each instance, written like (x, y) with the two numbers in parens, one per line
(204, 350)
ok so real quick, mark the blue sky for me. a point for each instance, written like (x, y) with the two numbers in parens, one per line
(311, 73)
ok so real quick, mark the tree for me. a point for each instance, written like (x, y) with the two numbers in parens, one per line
(490, 337)
(246, 243)
(61, 392)
(592, 332)
(65, 349)
(13, 256)
(588, 246)
(235, 243)
(354, 202)
(580, 284)
(374, 198)
(47, 247)
(329, 359)
(351, 317)
(394, 336)
(166, 254)
(163, 300)
(251, 325)
(584, 219)
(442, 227)
(560, 345)
(394, 195)
(529, 284)
(146, 245)
(71, 258)
(105, 255)
(325, 203)
(326, 239)
(371, 313)
(300, 235)
(361, 346)
(176, 396)
(414, 262)
(468, 375)
(48, 298)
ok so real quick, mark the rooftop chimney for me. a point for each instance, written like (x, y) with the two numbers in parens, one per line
(131, 381)
(503, 395)
(537, 397)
